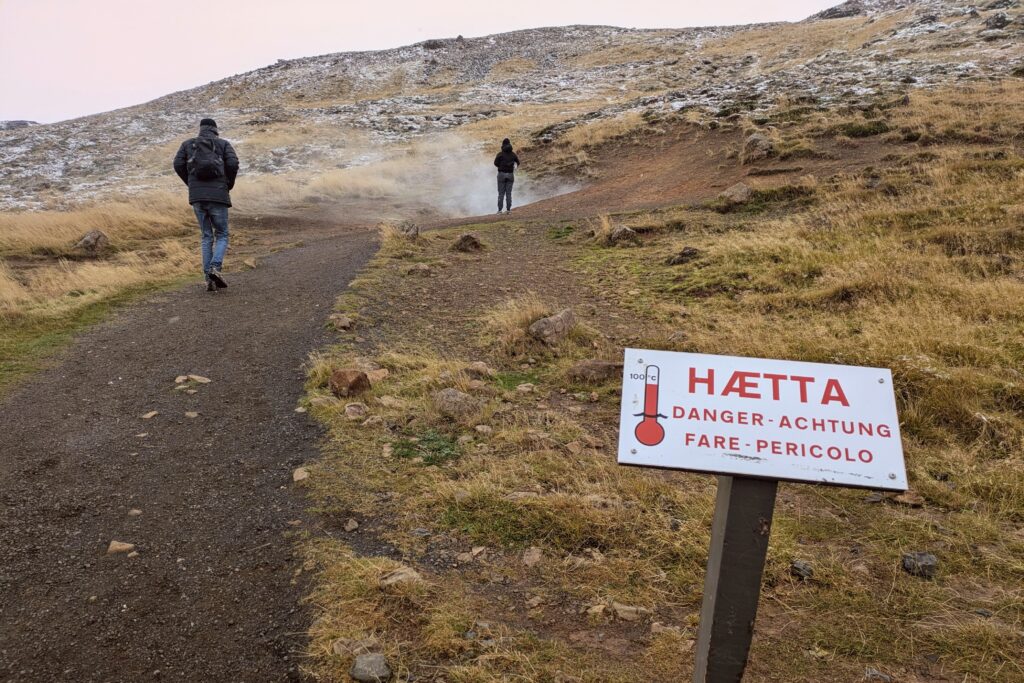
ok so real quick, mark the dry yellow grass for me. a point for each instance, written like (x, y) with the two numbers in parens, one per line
(599, 132)
(507, 325)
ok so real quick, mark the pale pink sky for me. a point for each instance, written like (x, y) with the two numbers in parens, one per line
(65, 58)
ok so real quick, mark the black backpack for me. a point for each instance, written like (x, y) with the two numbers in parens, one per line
(205, 160)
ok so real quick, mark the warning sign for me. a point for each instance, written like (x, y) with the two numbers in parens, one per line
(786, 420)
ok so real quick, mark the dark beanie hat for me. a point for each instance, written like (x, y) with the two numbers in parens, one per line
(506, 141)
(208, 122)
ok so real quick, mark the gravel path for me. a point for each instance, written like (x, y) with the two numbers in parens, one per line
(212, 594)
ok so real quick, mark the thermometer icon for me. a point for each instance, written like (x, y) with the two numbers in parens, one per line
(649, 432)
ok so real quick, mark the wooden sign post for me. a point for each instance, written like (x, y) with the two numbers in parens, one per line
(754, 422)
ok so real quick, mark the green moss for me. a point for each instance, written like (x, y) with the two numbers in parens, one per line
(433, 447)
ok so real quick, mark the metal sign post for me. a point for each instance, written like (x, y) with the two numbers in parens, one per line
(739, 544)
(754, 422)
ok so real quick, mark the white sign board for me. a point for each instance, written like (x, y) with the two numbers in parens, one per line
(786, 420)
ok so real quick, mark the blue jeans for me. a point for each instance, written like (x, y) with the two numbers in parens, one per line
(213, 223)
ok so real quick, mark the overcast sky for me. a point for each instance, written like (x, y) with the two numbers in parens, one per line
(65, 58)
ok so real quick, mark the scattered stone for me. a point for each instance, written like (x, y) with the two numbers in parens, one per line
(534, 602)
(400, 575)
(910, 499)
(300, 474)
(924, 565)
(351, 646)
(300, 409)
(356, 411)
(151, 414)
(484, 429)
(737, 194)
(134, 512)
(532, 556)
(801, 569)
(455, 404)
(370, 668)
(597, 610)
(373, 421)
(378, 375)
(574, 447)
(408, 229)
(392, 402)
(465, 439)
(181, 379)
(685, 255)
(116, 547)
(351, 525)
(340, 321)
(199, 379)
(628, 612)
(468, 243)
(478, 550)
(191, 414)
(134, 553)
(321, 401)
(874, 497)
(594, 371)
(93, 243)
(657, 628)
(526, 388)
(982, 612)
(757, 146)
(871, 674)
(623, 235)
(347, 382)
(479, 370)
(553, 329)
(421, 269)
(249, 263)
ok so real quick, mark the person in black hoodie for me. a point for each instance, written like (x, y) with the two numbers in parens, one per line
(209, 165)
(506, 161)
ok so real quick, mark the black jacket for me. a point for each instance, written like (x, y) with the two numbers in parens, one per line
(208, 190)
(506, 161)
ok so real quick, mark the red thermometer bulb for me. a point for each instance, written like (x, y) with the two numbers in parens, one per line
(650, 432)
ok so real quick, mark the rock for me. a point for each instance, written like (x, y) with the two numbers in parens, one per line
(484, 429)
(249, 263)
(347, 382)
(996, 21)
(300, 474)
(757, 146)
(657, 628)
(408, 229)
(532, 556)
(134, 512)
(400, 575)
(623, 235)
(910, 499)
(340, 321)
(553, 329)
(351, 525)
(479, 370)
(321, 401)
(593, 371)
(874, 497)
(370, 668)
(199, 379)
(737, 194)
(871, 674)
(392, 402)
(151, 414)
(191, 414)
(181, 379)
(455, 404)
(574, 447)
(597, 610)
(924, 565)
(685, 255)
(628, 612)
(93, 243)
(116, 547)
(468, 243)
(526, 388)
(356, 411)
(421, 269)
(801, 569)
(373, 421)
(850, 8)
(352, 646)
(534, 602)
(378, 375)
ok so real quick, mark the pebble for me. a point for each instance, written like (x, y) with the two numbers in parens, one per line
(119, 547)
(134, 512)
(351, 525)
(532, 556)
(151, 414)
(370, 668)
(300, 474)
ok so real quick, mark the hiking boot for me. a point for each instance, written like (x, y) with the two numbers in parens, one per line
(499, 212)
(216, 278)
(210, 287)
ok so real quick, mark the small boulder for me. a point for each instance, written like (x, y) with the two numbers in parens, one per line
(910, 499)
(629, 612)
(872, 674)
(340, 321)
(300, 474)
(356, 411)
(736, 194)
(351, 525)
(455, 404)
(593, 371)
(997, 21)
(370, 668)
(420, 269)
(685, 255)
(801, 569)
(401, 575)
(479, 370)
(468, 243)
(553, 329)
(924, 565)
(117, 547)
(408, 229)
(347, 382)
(623, 235)
(757, 146)
(93, 243)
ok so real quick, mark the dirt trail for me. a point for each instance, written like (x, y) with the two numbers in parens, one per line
(211, 595)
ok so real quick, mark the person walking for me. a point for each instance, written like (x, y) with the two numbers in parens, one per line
(506, 161)
(208, 165)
